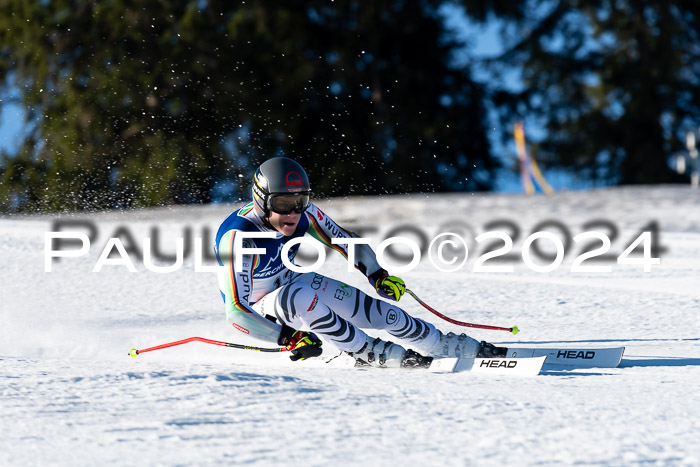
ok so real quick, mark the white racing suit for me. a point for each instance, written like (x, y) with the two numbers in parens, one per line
(334, 311)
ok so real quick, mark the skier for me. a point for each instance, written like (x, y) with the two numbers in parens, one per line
(270, 302)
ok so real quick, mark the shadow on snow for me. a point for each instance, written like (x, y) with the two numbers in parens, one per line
(563, 370)
(659, 361)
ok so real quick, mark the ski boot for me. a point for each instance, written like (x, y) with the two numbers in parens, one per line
(379, 353)
(453, 345)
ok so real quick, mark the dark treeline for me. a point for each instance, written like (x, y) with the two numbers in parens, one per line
(139, 103)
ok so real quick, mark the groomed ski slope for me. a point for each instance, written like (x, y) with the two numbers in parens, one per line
(70, 395)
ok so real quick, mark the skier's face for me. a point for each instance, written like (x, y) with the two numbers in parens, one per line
(285, 224)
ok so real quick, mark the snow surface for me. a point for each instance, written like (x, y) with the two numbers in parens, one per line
(70, 394)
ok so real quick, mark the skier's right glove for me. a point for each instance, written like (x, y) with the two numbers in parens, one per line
(387, 286)
(302, 344)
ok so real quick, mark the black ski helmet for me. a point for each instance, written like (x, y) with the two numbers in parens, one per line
(279, 175)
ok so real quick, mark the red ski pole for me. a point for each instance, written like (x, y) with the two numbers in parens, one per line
(135, 352)
(514, 330)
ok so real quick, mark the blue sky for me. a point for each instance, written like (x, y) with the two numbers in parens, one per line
(11, 118)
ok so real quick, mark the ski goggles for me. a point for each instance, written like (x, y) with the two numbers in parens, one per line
(288, 203)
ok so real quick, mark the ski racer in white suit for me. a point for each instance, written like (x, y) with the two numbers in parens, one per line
(270, 302)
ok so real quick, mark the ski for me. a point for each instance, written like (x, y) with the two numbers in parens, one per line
(520, 366)
(437, 365)
(577, 357)
(493, 366)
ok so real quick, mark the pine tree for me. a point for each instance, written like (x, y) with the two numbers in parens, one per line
(140, 103)
(616, 85)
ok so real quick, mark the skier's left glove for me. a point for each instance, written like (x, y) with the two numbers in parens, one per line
(302, 344)
(387, 286)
